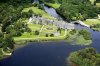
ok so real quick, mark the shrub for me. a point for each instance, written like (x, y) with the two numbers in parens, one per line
(52, 35)
(86, 34)
(96, 26)
(36, 32)
(46, 35)
(73, 32)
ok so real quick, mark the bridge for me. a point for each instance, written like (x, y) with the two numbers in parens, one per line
(81, 23)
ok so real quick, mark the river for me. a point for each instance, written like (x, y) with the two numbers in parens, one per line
(48, 53)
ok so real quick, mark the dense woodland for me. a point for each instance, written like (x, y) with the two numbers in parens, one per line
(76, 9)
(10, 13)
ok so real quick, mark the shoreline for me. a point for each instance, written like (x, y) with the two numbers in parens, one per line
(71, 63)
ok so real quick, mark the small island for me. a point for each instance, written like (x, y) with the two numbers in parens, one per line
(84, 57)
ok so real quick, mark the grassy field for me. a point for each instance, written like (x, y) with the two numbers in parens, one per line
(47, 29)
(38, 11)
(92, 21)
(92, 1)
(36, 38)
(34, 27)
(82, 41)
(98, 4)
(55, 6)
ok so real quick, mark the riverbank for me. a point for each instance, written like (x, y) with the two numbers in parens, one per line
(4, 54)
(19, 40)
(93, 23)
(51, 5)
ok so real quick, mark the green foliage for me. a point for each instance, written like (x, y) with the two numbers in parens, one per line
(10, 11)
(1, 54)
(96, 26)
(85, 57)
(8, 41)
(36, 4)
(86, 34)
(46, 35)
(55, 6)
(52, 35)
(36, 32)
(73, 31)
(1, 37)
(81, 9)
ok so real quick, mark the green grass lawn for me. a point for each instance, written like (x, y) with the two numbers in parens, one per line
(34, 26)
(55, 6)
(82, 41)
(92, 21)
(98, 4)
(38, 11)
(92, 1)
(49, 29)
(31, 37)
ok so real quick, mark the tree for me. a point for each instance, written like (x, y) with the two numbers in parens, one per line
(36, 32)
(52, 35)
(46, 35)
(30, 12)
(86, 34)
(8, 41)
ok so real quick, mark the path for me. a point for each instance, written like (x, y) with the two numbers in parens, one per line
(41, 28)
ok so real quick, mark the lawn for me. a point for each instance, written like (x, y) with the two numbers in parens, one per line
(55, 6)
(49, 29)
(46, 29)
(31, 37)
(38, 11)
(34, 27)
(92, 1)
(98, 4)
(82, 41)
(92, 21)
